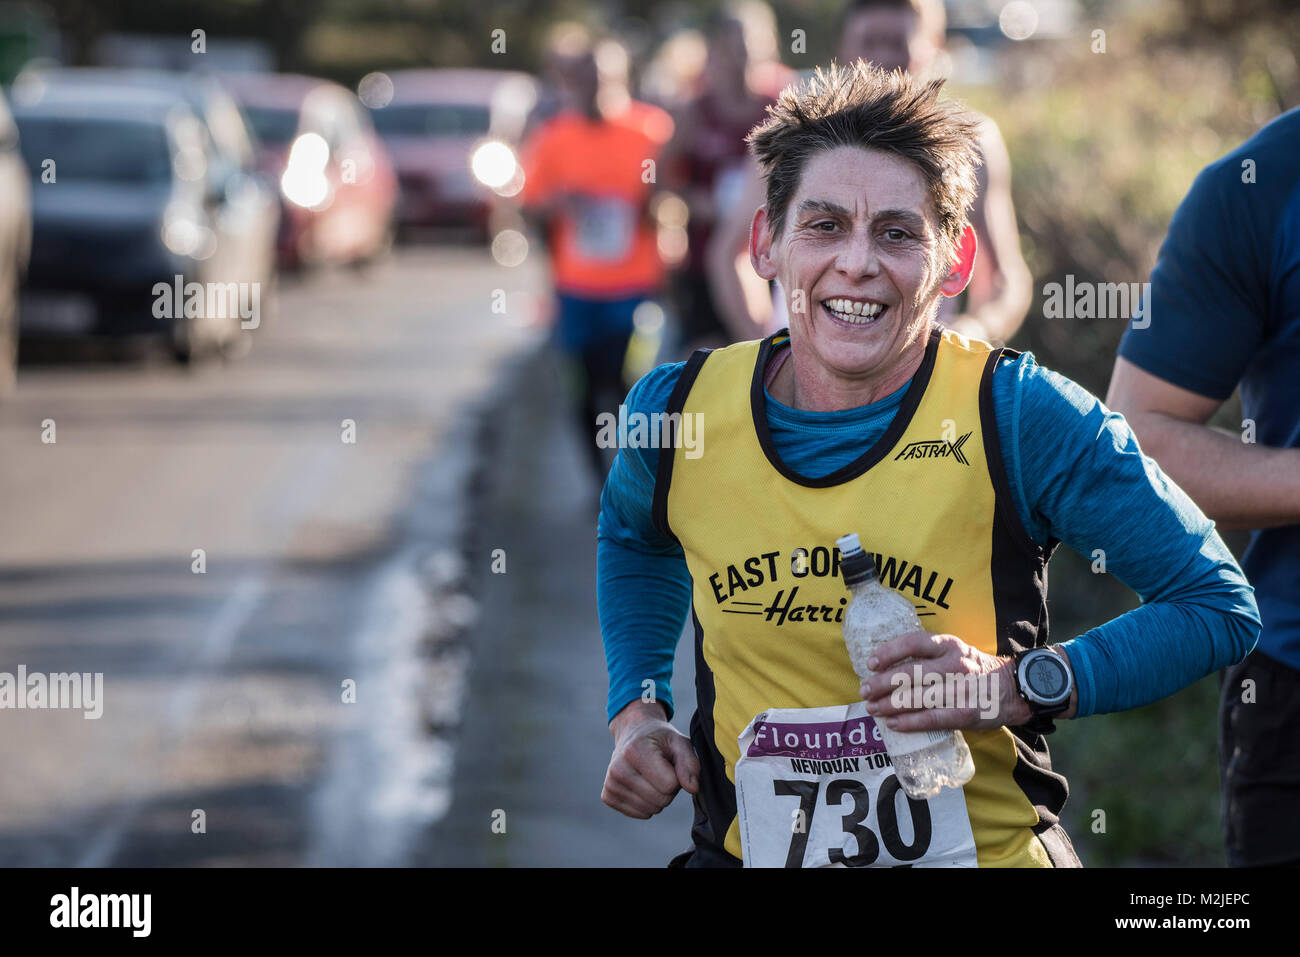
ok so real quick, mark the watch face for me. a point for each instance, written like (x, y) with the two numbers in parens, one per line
(1046, 676)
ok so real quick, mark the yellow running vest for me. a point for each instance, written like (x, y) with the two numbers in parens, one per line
(929, 499)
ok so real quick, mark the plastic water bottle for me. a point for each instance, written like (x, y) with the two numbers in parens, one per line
(924, 761)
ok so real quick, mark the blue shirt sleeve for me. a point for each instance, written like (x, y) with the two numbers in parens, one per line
(1076, 475)
(1206, 307)
(1082, 479)
(633, 560)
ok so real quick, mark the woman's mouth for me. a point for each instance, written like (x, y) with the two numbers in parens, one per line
(854, 312)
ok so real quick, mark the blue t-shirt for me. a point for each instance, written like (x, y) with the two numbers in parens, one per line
(1225, 309)
(1076, 475)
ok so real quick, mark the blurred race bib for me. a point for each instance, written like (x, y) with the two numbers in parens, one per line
(814, 788)
(604, 228)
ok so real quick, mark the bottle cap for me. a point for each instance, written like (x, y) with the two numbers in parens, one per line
(855, 564)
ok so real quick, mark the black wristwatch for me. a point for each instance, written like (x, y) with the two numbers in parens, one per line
(1045, 681)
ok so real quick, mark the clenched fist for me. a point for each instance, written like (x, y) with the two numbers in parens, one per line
(651, 762)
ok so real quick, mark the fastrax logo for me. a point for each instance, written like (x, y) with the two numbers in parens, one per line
(935, 449)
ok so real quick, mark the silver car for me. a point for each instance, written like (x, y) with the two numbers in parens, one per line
(134, 230)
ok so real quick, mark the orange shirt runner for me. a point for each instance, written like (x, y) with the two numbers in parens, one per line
(603, 244)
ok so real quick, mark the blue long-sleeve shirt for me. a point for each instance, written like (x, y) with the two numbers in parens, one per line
(1076, 475)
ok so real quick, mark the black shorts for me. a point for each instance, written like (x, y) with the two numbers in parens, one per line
(1259, 763)
(700, 856)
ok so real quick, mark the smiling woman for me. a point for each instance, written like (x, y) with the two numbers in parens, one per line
(860, 261)
(963, 463)
(869, 178)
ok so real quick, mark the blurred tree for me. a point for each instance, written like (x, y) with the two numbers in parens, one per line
(347, 38)
(1104, 146)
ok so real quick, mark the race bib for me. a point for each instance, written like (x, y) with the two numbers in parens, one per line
(814, 788)
(604, 228)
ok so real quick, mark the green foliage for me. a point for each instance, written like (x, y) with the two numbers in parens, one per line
(1105, 145)
(1154, 772)
(1103, 148)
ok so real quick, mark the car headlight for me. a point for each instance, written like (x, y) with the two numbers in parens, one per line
(304, 183)
(494, 165)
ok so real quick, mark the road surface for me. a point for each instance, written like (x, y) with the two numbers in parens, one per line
(305, 656)
(535, 746)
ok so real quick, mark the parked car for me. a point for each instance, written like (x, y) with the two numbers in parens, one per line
(136, 228)
(336, 181)
(15, 242)
(436, 124)
(233, 165)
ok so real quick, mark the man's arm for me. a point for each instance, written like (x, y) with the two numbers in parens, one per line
(1236, 483)
(1205, 319)
(740, 296)
(1001, 290)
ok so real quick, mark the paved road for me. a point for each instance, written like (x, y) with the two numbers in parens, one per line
(326, 561)
(535, 744)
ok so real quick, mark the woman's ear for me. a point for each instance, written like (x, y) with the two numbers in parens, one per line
(760, 245)
(962, 266)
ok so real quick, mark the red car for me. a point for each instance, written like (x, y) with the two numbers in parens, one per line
(337, 184)
(436, 126)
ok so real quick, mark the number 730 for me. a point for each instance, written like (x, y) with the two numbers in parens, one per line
(852, 822)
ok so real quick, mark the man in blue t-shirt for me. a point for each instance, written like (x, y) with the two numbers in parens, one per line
(1224, 311)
